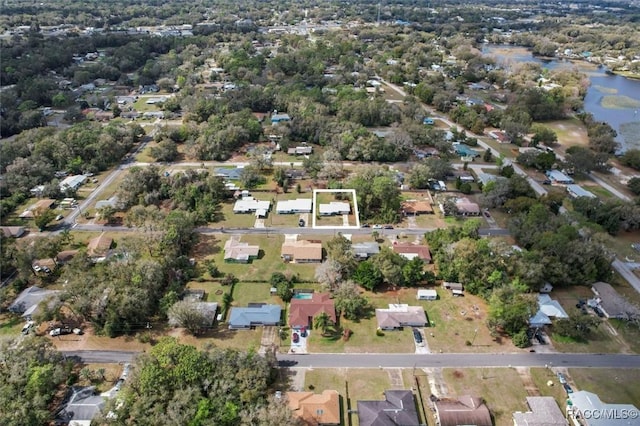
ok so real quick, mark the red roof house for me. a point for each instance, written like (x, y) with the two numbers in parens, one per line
(302, 311)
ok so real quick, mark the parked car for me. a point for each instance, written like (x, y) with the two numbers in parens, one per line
(486, 214)
(377, 226)
(37, 268)
(46, 269)
(598, 311)
(417, 336)
(540, 338)
(295, 338)
(365, 225)
(60, 331)
(546, 182)
(562, 379)
(303, 332)
(59, 217)
(301, 223)
(567, 388)
(388, 227)
(27, 327)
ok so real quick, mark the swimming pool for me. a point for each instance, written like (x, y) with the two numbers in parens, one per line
(303, 296)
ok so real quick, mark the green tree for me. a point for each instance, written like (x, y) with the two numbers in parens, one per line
(413, 272)
(577, 327)
(322, 321)
(348, 300)
(367, 275)
(43, 218)
(187, 314)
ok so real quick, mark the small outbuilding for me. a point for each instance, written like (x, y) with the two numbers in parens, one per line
(427, 294)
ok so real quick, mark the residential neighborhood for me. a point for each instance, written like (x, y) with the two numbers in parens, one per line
(330, 214)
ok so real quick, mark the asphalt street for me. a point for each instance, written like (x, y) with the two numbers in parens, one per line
(413, 360)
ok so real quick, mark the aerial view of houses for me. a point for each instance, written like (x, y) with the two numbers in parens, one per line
(347, 213)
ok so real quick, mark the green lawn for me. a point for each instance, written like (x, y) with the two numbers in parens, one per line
(501, 388)
(616, 386)
(10, 324)
(261, 268)
(541, 377)
(456, 321)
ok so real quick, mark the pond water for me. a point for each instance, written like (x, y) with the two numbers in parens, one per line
(610, 98)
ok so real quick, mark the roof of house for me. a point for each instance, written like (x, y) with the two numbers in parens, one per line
(208, 310)
(65, 255)
(583, 401)
(578, 191)
(465, 206)
(550, 307)
(299, 204)
(301, 309)
(275, 118)
(99, 246)
(232, 173)
(43, 204)
(315, 408)
(558, 176)
(234, 249)
(72, 181)
(544, 412)
(254, 315)
(83, 404)
(334, 207)
(400, 316)
(539, 319)
(12, 231)
(465, 410)
(452, 286)
(28, 300)
(398, 408)
(302, 249)
(410, 250)
(250, 204)
(365, 249)
(485, 178)
(612, 302)
(417, 206)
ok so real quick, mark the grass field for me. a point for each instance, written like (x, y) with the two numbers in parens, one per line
(501, 388)
(619, 386)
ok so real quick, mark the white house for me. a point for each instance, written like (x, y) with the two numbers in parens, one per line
(577, 191)
(72, 182)
(251, 205)
(299, 205)
(427, 294)
(334, 208)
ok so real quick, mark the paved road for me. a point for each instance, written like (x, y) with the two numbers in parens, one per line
(302, 231)
(460, 360)
(102, 357)
(414, 360)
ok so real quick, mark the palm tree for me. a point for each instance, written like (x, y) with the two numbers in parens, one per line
(322, 322)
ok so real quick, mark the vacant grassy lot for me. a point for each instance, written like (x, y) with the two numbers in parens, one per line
(457, 320)
(501, 388)
(10, 324)
(612, 385)
(353, 385)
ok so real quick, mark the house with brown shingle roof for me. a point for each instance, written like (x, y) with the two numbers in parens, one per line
(301, 251)
(398, 316)
(98, 247)
(302, 311)
(464, 410)
(410, 251)
(416, 207)
(316, 409)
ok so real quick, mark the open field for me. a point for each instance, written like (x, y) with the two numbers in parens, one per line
(612, 385)
(458, 320)
(501, 388)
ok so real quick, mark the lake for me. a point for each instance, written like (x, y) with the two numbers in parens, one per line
(610, 98)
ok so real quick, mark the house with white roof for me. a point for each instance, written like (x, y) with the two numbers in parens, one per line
(548, 309)
(582, 406)
(558, 178)
(299, 205)
(334, 208)
(72, 182)
(251, 205)
(577, 191)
